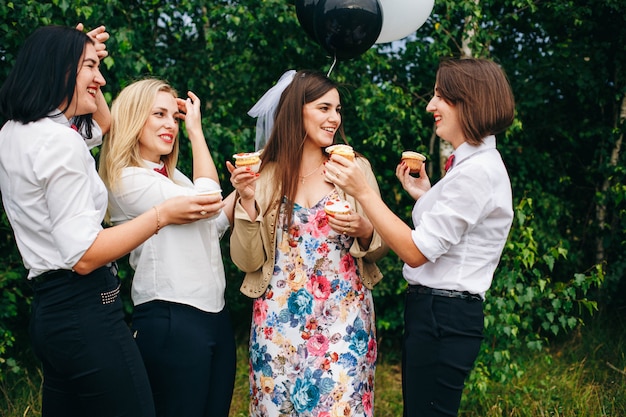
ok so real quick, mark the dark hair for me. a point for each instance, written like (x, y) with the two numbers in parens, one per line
(482, 94)
(286, 142)
(44, 74)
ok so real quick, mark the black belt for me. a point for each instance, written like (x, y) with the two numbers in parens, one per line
(50, 275)
(59, 273)
(464, 295)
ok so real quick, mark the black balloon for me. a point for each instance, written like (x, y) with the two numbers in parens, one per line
(305, 11)
(347, 28)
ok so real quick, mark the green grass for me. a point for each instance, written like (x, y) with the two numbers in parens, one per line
(582, 376)
(21, 395)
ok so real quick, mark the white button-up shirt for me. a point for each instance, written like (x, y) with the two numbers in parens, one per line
(462, 222)
(51, 191)
(183, 263)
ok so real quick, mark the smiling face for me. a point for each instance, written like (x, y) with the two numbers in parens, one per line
(322, 118)
(88, 81)
(161, 128)
(447, 123)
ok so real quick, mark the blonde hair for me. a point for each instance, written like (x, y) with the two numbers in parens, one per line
(129, 113)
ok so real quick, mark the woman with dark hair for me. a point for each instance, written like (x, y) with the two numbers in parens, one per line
(93, 126)
(313, 338)
(55, 202)
(461, 225)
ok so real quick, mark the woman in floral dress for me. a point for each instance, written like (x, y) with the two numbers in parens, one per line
(313, 337)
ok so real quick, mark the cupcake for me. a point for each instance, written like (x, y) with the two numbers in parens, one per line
(208, 190)
(344, 150)
(337, 206)
(248, 159)
(414, 160)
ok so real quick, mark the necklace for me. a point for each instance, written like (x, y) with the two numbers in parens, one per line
(303, 177)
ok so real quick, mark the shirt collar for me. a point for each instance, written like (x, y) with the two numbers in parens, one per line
(96, 140)
(57, 115)
(465, 150)
(153, 165)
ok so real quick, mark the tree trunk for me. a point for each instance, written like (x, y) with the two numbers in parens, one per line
(445, 149)
(469, 33)
(606, 184)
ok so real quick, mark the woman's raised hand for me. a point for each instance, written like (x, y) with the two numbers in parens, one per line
(416, 187)
(189, 111)
(243, 180)
(99, 36)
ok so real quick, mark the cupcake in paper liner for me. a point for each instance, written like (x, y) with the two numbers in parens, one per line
(337, 206)
(248, 159)
(344, 150)
(414, 160)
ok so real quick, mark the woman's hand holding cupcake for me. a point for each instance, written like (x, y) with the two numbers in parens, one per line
(415, 186)
(348, 176)
(343, 219)
(352, 224)
(243, 180)
(345, 174)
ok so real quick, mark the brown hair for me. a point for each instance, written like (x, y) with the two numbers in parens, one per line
(286, 142)
(481, 92)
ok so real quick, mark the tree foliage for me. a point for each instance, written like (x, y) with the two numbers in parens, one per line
(566, 63)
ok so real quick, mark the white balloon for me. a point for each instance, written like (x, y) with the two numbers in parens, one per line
(402, 17)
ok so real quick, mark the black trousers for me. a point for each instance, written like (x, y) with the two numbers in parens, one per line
(442, 338)
(91, 364)
(190, 356)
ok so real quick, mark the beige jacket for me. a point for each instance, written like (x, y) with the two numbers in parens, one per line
(253, 242)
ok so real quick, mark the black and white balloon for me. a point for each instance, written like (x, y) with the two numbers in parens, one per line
(348, 28)
(344, 28)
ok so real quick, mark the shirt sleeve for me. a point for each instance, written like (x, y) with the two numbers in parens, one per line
(206, 185)
(139, 189)
(461, 205)
(66, 171)
(221, 224)
(246, 243)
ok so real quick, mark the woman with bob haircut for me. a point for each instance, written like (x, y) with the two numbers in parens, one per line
(56, 202)
(461, 225)
(313, 338)
(180, 320)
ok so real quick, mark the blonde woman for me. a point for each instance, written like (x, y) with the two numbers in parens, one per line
(180, 320)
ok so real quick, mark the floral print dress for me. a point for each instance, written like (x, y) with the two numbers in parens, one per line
(313, 338)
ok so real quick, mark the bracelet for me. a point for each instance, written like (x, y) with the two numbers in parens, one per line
(158, 220)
